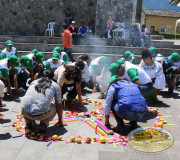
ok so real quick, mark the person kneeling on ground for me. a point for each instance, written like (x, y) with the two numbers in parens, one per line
(37, 102)
(126, 102)
(69, 76)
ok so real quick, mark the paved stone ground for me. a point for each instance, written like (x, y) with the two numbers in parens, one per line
(23, 148)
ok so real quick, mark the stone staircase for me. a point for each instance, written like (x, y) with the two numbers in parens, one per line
(97, 46)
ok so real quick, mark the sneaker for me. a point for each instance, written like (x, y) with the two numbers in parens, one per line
(42, 128)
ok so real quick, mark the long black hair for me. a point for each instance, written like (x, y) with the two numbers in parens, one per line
(70, 71)
(45, 82)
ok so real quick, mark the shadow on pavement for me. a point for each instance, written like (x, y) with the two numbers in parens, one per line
(2, 121)
(5, 136)
(164, 94)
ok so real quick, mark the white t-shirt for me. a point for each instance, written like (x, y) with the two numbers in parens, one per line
(34, 63)
(54, 66)
(61, 57)
(144, 33)
(143, 76)
(155, 71)
(8, 54)
(94, 62)
(85, 72)
(158, 58)
(120, 25)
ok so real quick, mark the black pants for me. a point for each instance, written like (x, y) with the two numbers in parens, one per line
(73, 92)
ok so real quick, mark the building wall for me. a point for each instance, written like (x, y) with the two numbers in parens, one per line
(168, 22)
(30, 17)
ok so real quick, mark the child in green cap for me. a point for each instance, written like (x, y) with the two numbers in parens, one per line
(156, 56)
(5, 66)
(54, 62)
(37, 63)
(63, 55)
(128, 56)
(9, 50)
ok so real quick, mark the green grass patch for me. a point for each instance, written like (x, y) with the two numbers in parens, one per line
(170, 36)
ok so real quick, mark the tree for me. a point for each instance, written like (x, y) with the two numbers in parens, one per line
(138, 11)
(174, 2)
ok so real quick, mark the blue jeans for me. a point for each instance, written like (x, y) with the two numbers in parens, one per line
(69, 53)
(127, 115)
(146, 88)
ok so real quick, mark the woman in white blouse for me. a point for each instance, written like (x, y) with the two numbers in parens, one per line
(155, 71)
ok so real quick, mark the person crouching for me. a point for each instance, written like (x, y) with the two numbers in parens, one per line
(37, 102)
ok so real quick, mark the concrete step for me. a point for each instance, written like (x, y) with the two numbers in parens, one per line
(87, 48)
(176, 46)
(93, 41)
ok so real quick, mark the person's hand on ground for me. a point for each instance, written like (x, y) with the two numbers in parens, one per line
(81, 103)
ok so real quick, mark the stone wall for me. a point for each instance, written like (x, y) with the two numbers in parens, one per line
(115, 8)
(30, 17)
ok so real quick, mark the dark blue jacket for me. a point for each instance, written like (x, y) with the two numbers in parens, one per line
(128, 96)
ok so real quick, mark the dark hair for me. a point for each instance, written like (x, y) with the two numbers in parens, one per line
(143, 26)
(80, 64)
(68, 9)
(84, 57)
(45, 82)
(146, 54)
(65, 26)
(70, 71)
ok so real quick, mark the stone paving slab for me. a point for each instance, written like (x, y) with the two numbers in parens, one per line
(23, 148)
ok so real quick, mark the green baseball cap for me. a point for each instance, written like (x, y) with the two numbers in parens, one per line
(113, 68)
(153, 50)
(58, 49)
(40, 57)
(56, 56)
(34, 51)
(104, 60)
(128, 54)
(120, 61)
(26, 61)
(115, 77)
(174, 57)
(9, 43)
(14, 60)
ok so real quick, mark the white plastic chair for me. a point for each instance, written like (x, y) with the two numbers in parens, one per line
(50, 29)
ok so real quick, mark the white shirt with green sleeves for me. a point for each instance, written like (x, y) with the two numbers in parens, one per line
(133, 72)
(158, 58)
(4, 69)
(12, 52)
(95, 62)
(50, 65)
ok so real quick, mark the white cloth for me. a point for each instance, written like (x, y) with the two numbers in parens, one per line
(103, 79)
(54, 66)
(4, 64)
(158, 58)
(94, 62)
(85, 72)
(1, 89)
(144, 33)
(120, 25)
(8, 54)
(155, 71)
(62, 55)
(130, 61)
(34, 63)
(143, 76)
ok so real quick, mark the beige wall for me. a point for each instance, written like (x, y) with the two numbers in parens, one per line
(161, 21)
